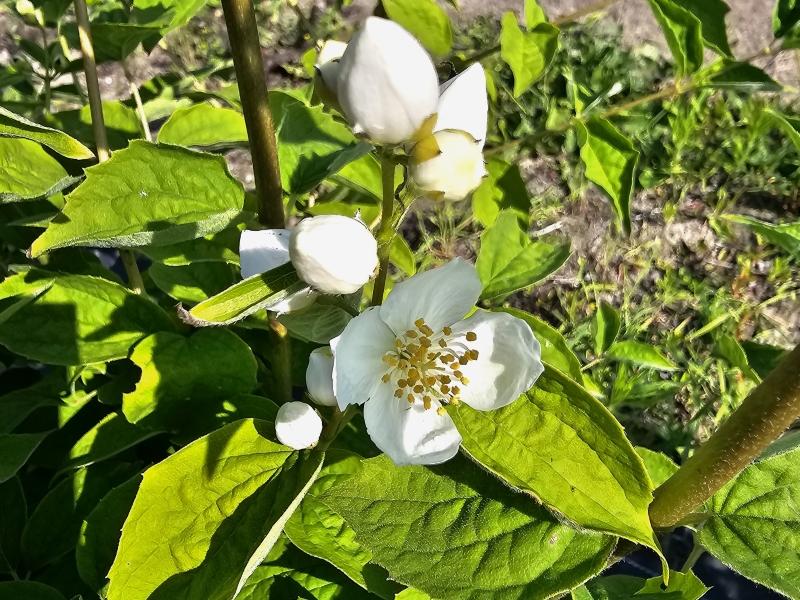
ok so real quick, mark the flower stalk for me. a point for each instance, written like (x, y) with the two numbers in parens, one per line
(247, 61)
(386, 227)
(766, 413)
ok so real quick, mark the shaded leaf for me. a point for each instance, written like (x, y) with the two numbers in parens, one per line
(503, 189)
(29, 590)
(112, 435)
(606, 326)
(194, 282)
(27, 172)
(786, 235)
(684, 33)
(14, 509)
(319, 323)
(711, 14)
(682, 586)
(15, 450)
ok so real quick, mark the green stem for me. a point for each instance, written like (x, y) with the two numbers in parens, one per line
(761, 419)
(386, 228)
(694, 555)
(135, 281)
(281, 361)
(247, 61)
(335, 425)
(137, 98)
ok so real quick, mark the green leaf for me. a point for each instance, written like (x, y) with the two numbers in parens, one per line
(659, 466)
(15, 449)
(195, 282)
(605, 326)
(77, 319)
(115, 41)
(14, 509)
(755, 525)
(246, 297)
(204, 125)
(13, 125)
(502, 190)
(425, 20)
(27, 172)
(682, 586)
(527, 53)
(711, 14)
(100, 533)
(534, 15)
(319, 531)
(16, 406)
(218, 247)
(184, 379)
(639, 353)
(489, 542)
(509, 261)
(112, 435)
(147, 195)
(312, 145)
(592, 476)
(67, 504)
(786, 235)
(178, 11)
(206, 517)
(762, 357)
(122, 123)
(319, 323)
(742, 76)
(29, 590)
(610, 161)
(401, 256)
(729, 348)
(684, 34)
(785, 17)
(555, 351)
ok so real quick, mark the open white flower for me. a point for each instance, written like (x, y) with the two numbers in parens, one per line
(297, 425)
(263, 250)
(319, 376)
(387, 84)
(464, 105)
(416, 354)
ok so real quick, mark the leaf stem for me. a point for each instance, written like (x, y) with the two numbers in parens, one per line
(764, 415)
(385, 229)
(137, 98)
(135, 281)
(246, 49)
(281, 360)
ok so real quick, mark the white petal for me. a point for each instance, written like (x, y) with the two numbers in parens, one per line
(387, 84)
(297, 425)
(328, 62)
(440, 296)
(261, 251)
(508, 361)
(297, 301)
(319, 376)
(358, 358)
(409, 434)
(456, 172)
(463, 103)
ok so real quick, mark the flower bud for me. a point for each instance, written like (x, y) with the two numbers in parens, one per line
(319, 376)
(452, 173)
(333, 254)
(463, 103)
(328, 70)
(298, 425)
(388, 87)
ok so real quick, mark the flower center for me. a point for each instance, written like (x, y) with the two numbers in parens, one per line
(426, 366)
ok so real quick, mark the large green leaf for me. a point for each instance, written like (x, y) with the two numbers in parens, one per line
(29, 590)
(111, 436)
(246, 297)
(218, 247)
(185, 379)
(319, 323)
(178, 11)
(147, 195)
(785, 235)
(755, 525)
(503, 189)
(527, 53)
(453, 532)
(559, 444)
(204, 125)
(15, 449)
(682, 586)
(195, 282)
(684, 33)
(733, 75)
(711, 14)
(610, 160)
(122, 123)
(13, 125)
(639, 353)
(319, 531)
(74, 319)
(205, 518)
(509, 261)
(27, 172)
(426, 20)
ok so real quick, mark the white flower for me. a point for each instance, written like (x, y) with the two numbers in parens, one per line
(328, 62)
(454, 172)
(414, 355)
(297, 425)
(264, 250)
(463, 104)
(333, 254)
(319, 376)
(388, 87)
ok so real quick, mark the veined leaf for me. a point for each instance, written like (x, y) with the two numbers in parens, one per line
(27, 172)
(426, 20)
(13, 125)
(204, 125)
(684, 33)
(146, 195)
(527, 53)
(660, 467)
(112, 435)
(682, 586)
(785, 235)
(559, 444)
(641, 354)
(503, 189)
(509, 261)
(507, 547)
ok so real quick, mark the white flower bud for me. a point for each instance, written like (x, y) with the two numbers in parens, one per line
(298, 425)
(388, 87)
(328, 62)
(452, 173)
(319, 376)
(463, 103)
(333, 254)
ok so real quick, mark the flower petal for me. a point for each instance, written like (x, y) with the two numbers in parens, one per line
(357, 358)
(409, 434)
(441, 296)
(463, 103)
(261, 251)
(508, 362)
